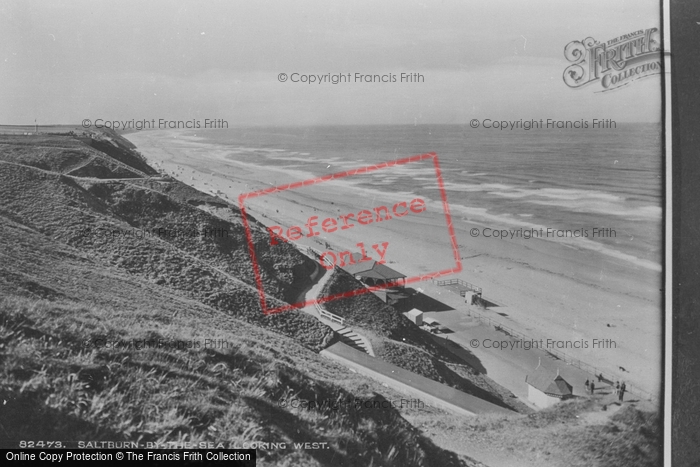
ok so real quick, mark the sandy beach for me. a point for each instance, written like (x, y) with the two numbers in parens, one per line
(544, 289)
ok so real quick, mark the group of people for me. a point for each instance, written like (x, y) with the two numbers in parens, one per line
(590, 386)
(618, 389)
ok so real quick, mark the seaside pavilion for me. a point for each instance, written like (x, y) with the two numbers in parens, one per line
(374, 274)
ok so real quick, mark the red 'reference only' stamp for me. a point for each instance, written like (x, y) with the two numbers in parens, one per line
(372, 253)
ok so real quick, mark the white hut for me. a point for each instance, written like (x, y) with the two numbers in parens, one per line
(470, 297)
(416, 316)
(546, 389)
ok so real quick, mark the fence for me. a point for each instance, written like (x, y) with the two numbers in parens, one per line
(466, 284)
(329, 315)
(566, 358)
(313, 252)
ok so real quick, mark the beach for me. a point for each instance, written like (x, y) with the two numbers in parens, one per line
(574, 294)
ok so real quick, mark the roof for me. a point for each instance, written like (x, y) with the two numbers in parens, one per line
(415, 312)
(549, 383)
(430, 321)
(371, 269)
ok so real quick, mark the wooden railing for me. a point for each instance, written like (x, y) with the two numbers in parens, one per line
(329, 315)
(313, 252)
(461, 282)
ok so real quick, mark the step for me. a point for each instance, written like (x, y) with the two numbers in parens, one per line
(353, 344)
(346, 337)
(351, 338)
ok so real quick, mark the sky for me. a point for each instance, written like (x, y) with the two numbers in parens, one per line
(65, 61)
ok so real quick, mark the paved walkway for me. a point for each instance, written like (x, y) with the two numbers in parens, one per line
(315, 290)
(426, 390)
(507, 366)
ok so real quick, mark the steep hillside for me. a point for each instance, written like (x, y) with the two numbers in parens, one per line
(112, 358)
(161, 238)
(109, 331)
(71, 156)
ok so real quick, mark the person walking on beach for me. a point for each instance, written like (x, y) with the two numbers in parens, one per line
(588, 386)
(592, 387)
(623, 388)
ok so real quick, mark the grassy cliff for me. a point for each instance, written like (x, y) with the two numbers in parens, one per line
(113, 221)
(108, 333)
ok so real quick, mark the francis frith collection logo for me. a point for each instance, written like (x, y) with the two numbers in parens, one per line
(615, 63)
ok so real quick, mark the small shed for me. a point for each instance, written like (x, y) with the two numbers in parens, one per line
(546, 388)
(416, 316)
(471, 297)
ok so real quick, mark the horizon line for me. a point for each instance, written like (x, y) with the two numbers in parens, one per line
(247, 125)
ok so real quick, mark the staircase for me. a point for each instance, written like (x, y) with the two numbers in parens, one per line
(354, 340)
(347, 336)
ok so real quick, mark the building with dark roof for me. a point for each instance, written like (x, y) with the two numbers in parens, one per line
(546, 388)
(374, 274)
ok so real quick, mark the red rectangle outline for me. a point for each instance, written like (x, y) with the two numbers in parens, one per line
(325, 178)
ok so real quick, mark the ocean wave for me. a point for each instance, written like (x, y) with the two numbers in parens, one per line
(640, 213)
(484, 218)
(560, 194)
(574, 200)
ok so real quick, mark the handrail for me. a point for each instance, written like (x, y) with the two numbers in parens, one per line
(311, 251)
(464, 283)
(329, 315)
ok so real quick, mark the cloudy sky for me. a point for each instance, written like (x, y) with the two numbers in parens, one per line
(64, 61)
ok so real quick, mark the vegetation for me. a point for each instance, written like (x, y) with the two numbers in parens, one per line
(458, 376)
(109, 220)
(581, 432)
(71, 372)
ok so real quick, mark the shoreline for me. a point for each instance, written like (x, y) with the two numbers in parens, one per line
(543, 289)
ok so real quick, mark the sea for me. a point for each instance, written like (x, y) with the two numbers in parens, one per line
(563, 179)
